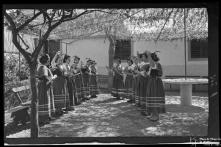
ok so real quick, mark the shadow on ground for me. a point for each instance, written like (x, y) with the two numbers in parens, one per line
(106, 116)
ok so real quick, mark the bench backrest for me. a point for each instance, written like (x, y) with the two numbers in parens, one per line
(22, 88)
(18, 90)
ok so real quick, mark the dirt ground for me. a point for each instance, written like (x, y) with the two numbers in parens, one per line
(105, 116)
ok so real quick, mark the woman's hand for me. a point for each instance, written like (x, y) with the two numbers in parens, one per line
(143, 73)
(54, 77)
(59, 53)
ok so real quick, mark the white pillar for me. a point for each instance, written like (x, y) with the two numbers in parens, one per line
(186, 94)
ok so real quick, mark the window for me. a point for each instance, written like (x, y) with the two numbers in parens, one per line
(199, 48)
(122, 49)
(50, 47)
(53, 47)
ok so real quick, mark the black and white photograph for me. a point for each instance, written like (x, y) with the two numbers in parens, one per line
(110, 74)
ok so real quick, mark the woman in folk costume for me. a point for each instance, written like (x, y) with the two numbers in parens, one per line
(129, 79)
(143, 80)
(135, 75)
(155, 93)
(118, 84)
(67, 75)
(59, 84)
(77, 80)
(93, 80)
(85, 74)
(44, 84)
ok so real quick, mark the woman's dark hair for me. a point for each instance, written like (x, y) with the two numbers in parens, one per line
(76, 57)
(154, 57)
(65, 58)
(130, 59)
(140, 55)
(44, 58)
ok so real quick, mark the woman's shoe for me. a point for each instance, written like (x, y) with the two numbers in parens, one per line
(71, 108)
(93, 96)
(65, 111)
(148, 116)
(143, 113)
(129, 101)
(154, 119)
(51, 118)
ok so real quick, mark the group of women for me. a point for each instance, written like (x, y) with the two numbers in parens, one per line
(61, 85)
(142, 85)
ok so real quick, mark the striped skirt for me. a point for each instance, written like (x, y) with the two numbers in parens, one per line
(129, 87)
(134, 88)
(118, 86)
(143, 91)
(44, 102)
(60, 91)
(137, 90)
(70, 91)
(155, 96)
(72, 79)
(77, 88)
(52, 100)
(93, 89)
(85, 88)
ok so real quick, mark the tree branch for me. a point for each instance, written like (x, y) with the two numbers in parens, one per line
(109, 12)
(15, 39)
(164, 25)
(82, 36)
(27, 47)
(9, 19)
(40, 44)
(72, 18)
(28, 21)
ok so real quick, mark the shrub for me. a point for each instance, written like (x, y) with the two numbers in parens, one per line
(13, 78)
(11, 68)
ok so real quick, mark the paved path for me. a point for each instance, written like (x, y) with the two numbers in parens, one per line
(105, 116)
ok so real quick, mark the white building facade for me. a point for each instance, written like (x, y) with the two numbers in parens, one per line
(172, 54)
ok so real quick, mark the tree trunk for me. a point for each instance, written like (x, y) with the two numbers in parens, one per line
(34, 102)
(111, 56)
(213, 58)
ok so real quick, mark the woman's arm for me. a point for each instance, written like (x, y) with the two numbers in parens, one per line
(54, 60)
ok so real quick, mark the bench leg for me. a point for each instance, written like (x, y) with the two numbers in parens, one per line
(186, 94)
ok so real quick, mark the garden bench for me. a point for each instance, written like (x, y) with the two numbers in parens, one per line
(20, 113)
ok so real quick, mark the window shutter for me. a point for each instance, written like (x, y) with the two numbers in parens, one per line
(199, 48)
(195, 48)
(123, 49)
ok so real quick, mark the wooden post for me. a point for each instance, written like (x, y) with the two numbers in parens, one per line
(19, 62)
(66, 48)
(184, 18)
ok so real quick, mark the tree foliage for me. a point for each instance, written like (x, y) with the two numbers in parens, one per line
(154, 23)
(131, 23)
